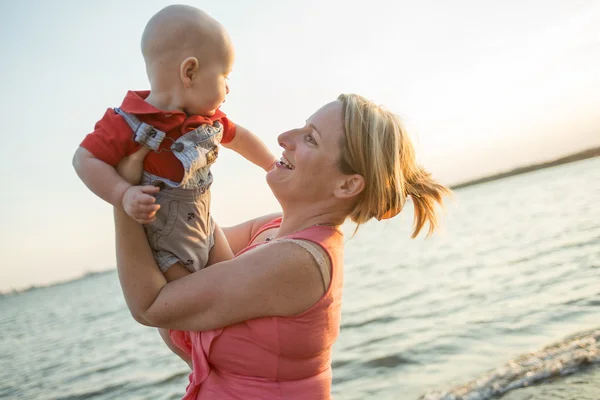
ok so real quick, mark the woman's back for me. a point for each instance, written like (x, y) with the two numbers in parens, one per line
(274, 357)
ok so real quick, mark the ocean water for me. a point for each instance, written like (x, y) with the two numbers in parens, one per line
(504, 301)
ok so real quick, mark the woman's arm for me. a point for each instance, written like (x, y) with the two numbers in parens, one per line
(139, 294)
(239, 235)
(276, 279)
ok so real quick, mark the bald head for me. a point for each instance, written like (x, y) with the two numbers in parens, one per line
(180, 31)
(188, 57)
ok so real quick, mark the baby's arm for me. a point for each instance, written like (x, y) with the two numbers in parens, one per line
(249, 146)
(106, 183)
(99, 177)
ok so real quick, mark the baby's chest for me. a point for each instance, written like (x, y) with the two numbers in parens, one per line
(196, 148)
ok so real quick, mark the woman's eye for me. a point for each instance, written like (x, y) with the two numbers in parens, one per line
(311, 139)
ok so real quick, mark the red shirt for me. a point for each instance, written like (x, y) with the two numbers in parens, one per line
(112, 138)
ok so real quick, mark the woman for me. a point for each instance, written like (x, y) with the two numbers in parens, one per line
(262, 325)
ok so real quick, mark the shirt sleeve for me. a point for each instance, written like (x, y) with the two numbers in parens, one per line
(111, 140)
(228, 130)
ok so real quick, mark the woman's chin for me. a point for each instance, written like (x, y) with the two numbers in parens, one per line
(271, 175)
(276, 174)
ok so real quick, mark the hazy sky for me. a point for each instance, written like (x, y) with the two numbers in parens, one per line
(483, 85)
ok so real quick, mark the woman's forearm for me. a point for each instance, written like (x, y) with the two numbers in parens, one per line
(141, 279)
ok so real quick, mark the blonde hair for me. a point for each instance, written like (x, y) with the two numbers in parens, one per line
(376, 146)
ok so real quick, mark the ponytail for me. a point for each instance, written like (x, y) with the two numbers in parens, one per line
(377, 147)
(426, 193)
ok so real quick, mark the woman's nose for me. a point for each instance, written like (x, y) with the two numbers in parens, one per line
(286, 140)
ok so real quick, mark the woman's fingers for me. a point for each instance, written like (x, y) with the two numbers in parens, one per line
(140, 154)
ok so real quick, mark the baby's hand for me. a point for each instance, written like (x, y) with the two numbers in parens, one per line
(271, 166)
(138, 202)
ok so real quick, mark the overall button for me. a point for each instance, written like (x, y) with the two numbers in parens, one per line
(151, 132)
(178, 147)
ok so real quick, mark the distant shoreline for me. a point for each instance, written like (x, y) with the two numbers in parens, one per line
(582, 155)
(25, 289)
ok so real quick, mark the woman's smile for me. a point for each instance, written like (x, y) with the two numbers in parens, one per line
(283, 162)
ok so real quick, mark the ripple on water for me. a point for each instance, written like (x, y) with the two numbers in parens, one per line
(516, 267)
(389, 361)
(556, 360)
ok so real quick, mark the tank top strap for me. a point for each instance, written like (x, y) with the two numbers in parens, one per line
(323, 235)
(275, 223)
(331, 241)
(311, 247)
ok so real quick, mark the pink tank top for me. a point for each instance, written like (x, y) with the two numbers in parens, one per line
(274, 357)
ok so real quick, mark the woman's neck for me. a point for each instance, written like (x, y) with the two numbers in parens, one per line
(294, 222)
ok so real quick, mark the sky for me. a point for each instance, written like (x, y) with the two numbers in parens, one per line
(483, 86)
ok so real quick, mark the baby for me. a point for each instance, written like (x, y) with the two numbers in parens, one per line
(188, 58)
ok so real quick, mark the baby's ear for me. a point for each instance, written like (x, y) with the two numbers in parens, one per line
(187, 71)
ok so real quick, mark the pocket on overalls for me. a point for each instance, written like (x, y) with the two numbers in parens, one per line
(171, 218)
(166, 217)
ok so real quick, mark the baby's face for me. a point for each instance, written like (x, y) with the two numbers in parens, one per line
(210, 86)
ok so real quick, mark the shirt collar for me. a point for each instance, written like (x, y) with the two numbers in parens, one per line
(135, 103)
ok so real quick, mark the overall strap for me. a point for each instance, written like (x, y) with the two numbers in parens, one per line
(143, 133)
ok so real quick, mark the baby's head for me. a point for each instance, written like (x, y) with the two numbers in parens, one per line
(188, 57)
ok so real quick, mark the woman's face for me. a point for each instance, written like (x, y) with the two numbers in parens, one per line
(309, 167)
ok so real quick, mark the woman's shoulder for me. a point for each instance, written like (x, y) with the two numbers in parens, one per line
(263, 224)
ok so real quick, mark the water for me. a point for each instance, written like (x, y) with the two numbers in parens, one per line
(515, 270)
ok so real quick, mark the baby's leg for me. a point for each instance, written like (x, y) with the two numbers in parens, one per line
(221, 250)
(175, 272)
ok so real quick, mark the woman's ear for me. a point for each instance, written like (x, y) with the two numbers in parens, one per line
(187, 71)
(350, 186)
